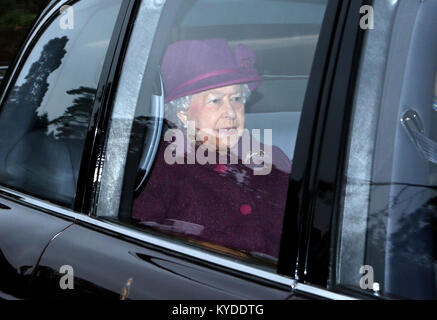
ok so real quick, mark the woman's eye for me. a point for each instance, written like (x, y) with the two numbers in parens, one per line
(214, 101)
(237, 99)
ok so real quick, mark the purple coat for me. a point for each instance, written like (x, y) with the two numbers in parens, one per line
(221, 204)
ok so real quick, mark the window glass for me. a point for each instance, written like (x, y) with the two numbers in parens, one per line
(209, 157)
(44, 119)
(387, 243)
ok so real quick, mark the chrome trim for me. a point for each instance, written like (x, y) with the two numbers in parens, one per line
(179, 248)
(320, 292)
(6, 296)
(26, 199)
(149, 239)
(295, 286)
(188, 251)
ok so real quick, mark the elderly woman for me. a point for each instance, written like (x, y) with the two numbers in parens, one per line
(220, 202)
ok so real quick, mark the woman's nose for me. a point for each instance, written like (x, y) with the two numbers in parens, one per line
(230, 108)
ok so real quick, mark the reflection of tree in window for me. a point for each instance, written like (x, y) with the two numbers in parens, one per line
(411, 249)
(409, 246)
(414, 227)
(29, 96)
(19, 114)
(73, 124)
(36, 85)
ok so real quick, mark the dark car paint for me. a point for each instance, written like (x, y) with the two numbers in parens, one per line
(24, 233)
(147, 272)
(103, 265)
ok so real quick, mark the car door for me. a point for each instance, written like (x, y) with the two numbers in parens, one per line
(112, 256)
(47, 106)
(374, 193)
(360, 213)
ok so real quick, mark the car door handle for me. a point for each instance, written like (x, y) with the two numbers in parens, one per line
(413, 126)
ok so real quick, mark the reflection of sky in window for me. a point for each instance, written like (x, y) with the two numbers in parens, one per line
(228, 12)
(86, 49)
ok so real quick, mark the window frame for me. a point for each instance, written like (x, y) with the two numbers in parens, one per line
(47, 17)
(325, 186)
(92, 161)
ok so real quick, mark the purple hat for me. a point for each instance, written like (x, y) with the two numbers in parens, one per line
(192, 66)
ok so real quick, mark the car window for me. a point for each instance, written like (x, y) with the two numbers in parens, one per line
(387, 241)
(44, 118)
(213, 134)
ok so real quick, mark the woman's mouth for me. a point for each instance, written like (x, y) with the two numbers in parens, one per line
(226, 131)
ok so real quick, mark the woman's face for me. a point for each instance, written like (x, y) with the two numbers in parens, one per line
(218, 114)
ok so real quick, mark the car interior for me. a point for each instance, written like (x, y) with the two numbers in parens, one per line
(397, 233)
(411, 234)
(284, 42)
(284, 45)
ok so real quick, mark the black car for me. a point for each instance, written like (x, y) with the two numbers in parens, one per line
(349, 90)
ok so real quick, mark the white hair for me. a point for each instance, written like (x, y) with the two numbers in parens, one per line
(182, 104)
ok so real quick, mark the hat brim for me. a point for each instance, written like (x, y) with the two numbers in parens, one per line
(253, 82)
